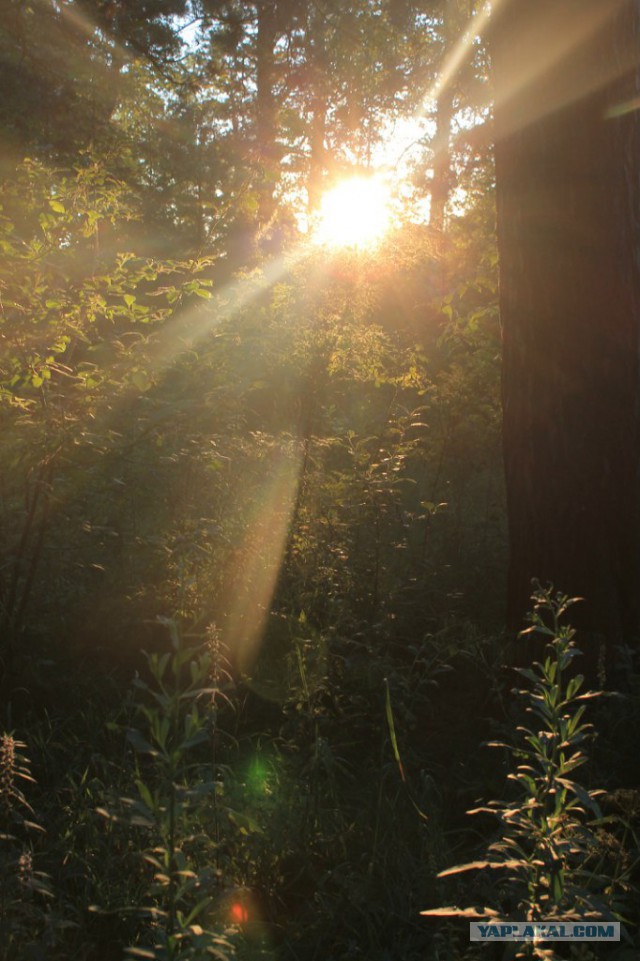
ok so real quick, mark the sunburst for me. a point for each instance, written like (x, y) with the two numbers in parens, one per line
(354, 213)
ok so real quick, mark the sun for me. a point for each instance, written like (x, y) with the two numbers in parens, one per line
(355, 213)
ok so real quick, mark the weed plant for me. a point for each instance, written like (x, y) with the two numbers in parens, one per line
(549, 856)
(25, 920)
(173, 804)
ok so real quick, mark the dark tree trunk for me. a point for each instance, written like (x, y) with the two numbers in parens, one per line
(266, 111)
(317, 152)
(567, 163)
(317, 61)
(442, 174)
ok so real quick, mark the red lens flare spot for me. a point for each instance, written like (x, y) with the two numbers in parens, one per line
(239, 913)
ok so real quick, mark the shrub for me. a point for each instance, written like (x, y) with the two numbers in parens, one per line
(547, 857)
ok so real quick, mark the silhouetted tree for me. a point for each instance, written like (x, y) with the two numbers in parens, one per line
(568, 175)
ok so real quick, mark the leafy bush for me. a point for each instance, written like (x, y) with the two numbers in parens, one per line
(549, 853)
(177, 706)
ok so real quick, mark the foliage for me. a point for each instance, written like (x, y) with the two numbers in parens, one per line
(275, 468)
(25, 892)
(77, 322)
(549, 856)
(178, 708)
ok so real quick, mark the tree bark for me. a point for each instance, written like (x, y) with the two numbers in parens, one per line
(568, 191)
(316, 57)
(442, 173)
(266, 110)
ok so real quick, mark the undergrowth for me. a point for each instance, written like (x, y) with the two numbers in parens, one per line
(206, 819)
(552, 860)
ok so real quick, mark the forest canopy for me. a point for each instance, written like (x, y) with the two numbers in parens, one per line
(317, 326)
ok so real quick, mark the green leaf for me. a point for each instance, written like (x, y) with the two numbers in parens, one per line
(392, 729)
(199, 738)
(453, 912)
(244, 823)
(139, 744)
(527, 673)
(58, 207)
(558, 886)
(574, 686)
(145, 794)
(481, 866)
(129, 300)
(585, 797)
(140, 380)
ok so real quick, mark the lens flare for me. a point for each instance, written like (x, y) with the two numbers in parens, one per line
(239, 913)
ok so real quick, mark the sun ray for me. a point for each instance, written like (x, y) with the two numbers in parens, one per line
(254, 577)
(549, 42)
(569, 33)
(460, 50)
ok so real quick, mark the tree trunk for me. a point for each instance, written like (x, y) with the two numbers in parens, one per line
(266, 111)
(317, 61)
(317, 153)
(567, 164)
(442, 174)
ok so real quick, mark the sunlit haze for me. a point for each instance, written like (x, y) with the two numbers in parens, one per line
(355, 213)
